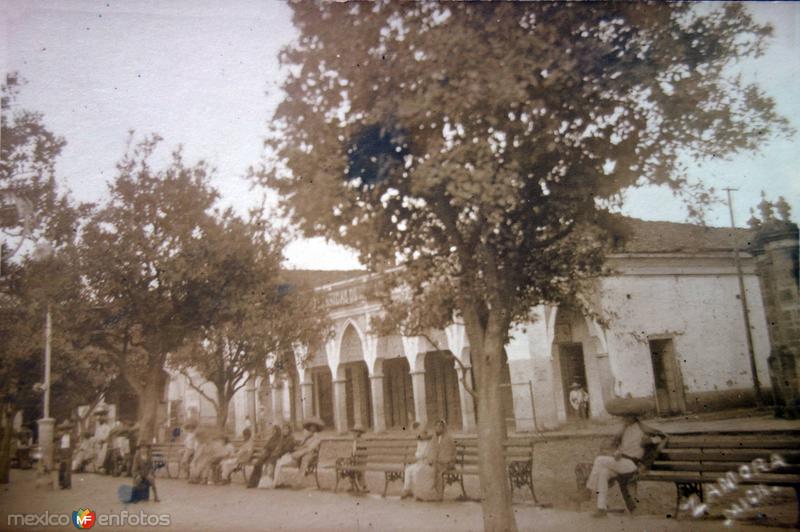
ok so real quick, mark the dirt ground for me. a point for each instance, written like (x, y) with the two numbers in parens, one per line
(231, 508)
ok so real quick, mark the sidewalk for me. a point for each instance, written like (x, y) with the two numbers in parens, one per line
(731, 420)
(232, 508)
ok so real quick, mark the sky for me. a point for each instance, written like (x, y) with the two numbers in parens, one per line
(205, 75)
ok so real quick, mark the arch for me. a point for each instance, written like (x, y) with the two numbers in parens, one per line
(351, 343)
(419, 361)
(377, 367)
(598, 333)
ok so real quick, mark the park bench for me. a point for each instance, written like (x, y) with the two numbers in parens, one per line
(693, 459)
(519, 464)
(387, 456)
(391, 456)
(258, 448)
(167, 457)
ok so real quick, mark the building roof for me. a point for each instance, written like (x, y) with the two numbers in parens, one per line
(641, 236)
(315, 278)
(636, 236)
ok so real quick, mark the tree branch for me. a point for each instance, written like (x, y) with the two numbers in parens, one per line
(198, 389)
(464, 369)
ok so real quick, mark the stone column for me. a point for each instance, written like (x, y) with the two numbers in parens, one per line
(340, 405)
(307, 399)
(467, 402)
(358, 396)
(420, 401)
(378, 411)
(276, 391)
(250, 394)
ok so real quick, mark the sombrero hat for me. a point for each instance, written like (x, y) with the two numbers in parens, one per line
(575, 386)
(313, 420)
(101, 411)
(66, 424)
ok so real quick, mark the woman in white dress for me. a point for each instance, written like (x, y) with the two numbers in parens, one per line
(420, 457)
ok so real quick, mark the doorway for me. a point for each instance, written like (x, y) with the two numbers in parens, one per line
(670, 399)
(573, 370)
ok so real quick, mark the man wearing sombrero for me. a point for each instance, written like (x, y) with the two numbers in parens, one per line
(308, 448)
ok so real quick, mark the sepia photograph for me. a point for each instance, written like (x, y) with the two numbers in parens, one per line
(426, 266)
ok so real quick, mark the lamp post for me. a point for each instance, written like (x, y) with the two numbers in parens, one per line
(46, 424)
(745, 312)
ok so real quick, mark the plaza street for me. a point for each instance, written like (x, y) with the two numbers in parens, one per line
(231, 508)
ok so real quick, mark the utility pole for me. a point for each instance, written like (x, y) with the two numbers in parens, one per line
(743, 300)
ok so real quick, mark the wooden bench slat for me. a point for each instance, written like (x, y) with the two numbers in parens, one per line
(754, 443)
(723, 467)
(728, 455)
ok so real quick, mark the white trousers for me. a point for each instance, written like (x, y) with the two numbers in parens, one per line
(605, 468)
(283, 461)
(409, 477)
(228, 465)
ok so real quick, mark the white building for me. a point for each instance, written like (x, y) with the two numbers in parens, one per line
(674, 335)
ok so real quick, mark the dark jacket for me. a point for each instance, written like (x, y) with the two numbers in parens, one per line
(277, 446)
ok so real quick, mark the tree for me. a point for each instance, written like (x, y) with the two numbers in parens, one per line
(30, 206)
(480, 146)
(138, 264)
(254, 321)
(78, 375)
(32, 209)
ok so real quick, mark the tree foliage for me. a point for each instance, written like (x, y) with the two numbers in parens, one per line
(139, 261)
(32, 209)
(470, 139)
(479, 146)
(255, 318)
(28, 154)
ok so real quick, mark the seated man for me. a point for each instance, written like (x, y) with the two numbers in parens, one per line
(304, 453)
(85, 453)
(221, 449)
(241, 459)
(205, 465)
(630, 449)
(280, 442)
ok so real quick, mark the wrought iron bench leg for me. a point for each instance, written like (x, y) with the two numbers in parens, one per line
(684, 490)
(338, 477)
(385, 483)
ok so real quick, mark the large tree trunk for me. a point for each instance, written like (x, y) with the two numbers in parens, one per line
(150, 401)
(5, 444)
(487, 362)
(222, 405)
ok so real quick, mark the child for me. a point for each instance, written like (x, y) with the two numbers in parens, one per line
(143, 477)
